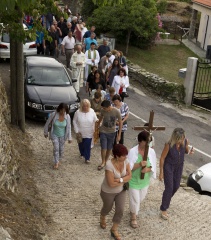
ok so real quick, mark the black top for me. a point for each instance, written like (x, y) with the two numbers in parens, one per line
(63, 27)
(52, 43)
(73, 26)
(94, 84)
(90, 79)
(49, 17)
(103, 50)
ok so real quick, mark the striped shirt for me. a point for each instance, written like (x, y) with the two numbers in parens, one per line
(124, 110)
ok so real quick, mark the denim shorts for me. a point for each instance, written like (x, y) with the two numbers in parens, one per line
(107, 140)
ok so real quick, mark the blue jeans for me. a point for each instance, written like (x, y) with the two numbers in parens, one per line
(85, 148)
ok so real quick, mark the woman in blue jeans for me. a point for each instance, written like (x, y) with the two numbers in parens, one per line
(171, 167)
(59, 132)
(84, 124)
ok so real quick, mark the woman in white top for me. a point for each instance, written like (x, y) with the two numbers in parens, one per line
(117, 172)
(84, 124)
(121, 83)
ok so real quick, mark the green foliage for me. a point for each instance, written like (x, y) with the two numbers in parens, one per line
(107, 2)
(16, 9)
(161, 6)
(137, 17)
(88, 8)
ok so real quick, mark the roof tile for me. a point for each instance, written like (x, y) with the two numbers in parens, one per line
(203, 2)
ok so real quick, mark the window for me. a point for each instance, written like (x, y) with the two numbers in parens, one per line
(47, 76)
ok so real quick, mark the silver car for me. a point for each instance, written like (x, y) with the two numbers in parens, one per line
(29, 48)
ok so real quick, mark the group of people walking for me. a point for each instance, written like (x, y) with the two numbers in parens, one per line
(128, 166)
(124, 168)
(104, 116)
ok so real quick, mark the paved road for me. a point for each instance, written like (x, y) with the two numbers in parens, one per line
(72, 192)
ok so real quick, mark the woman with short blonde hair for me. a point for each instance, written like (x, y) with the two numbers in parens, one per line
(83, 103)
(84, 125)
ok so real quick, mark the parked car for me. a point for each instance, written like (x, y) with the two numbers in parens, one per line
(47, 84)
(200, 180)
(29, 48)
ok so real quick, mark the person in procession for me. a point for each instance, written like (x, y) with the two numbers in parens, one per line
(138, 187)
(59, 127)
(171, 166)
(124, 111)
(77, 63)
(117, 173)
(84, 124)
(108, 116)
(92, 59)
(121, 83)
(68, 44)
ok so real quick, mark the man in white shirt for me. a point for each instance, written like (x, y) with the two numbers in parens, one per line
(68, 44)
(78, 63)
(92, 59)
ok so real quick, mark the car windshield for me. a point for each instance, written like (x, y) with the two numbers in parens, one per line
(47, 76)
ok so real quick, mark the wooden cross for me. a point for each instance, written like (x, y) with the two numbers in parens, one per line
(149, 129)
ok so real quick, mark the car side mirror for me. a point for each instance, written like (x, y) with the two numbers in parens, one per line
(74, 80)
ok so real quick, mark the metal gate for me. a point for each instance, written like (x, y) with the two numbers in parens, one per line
(202, 86)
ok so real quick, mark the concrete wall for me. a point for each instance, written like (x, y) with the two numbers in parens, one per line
(8, 155)
(205, 12)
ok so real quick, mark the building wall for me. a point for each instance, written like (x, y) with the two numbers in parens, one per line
(205, 12)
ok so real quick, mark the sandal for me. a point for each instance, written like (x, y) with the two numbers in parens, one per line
(100, 167)
(115, 234)
(164, 216)
(133, 223)
(102, 222)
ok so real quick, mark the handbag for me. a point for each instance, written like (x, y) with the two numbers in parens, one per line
(126, 186)
(50, 124)
(79, 137)
(120, 90)
(124, 94)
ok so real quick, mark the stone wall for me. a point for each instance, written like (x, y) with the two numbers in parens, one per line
(167, 90)
(8, 155)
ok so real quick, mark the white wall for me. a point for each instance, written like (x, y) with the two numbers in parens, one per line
(205, 12)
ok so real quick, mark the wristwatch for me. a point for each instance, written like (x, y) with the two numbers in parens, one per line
(121, 180)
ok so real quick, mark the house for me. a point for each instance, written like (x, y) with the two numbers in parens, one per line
(201, 10)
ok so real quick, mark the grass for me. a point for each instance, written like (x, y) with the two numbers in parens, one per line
(163, 60)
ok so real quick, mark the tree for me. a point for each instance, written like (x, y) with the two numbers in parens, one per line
(11, 15)
(161, 6)
(107, 2)
(137, 16)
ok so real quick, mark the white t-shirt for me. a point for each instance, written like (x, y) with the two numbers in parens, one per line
(85, 123)
(68, 43)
